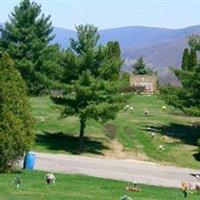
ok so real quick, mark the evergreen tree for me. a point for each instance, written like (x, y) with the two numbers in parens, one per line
(26, 38)
(113, 49)
(185, 59)
(187, 97)
(70, 65)
(16, 124)
(90, 94)
(194, 94)
(192, 58)
(104, 61)
(111, 62)
(140, 68)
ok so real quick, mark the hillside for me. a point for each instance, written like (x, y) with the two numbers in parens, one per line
(128, 136)
(160, 47)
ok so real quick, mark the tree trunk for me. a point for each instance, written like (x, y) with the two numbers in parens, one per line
(81, 136)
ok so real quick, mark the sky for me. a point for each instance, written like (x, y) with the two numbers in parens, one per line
(115, 13)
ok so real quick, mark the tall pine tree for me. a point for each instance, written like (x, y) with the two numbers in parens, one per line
(26, 38)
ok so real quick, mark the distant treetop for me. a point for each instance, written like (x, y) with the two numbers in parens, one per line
(140, 68)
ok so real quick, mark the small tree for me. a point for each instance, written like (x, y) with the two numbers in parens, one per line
(93, 90)
(140, 68)
(16, 124)
(89, 97)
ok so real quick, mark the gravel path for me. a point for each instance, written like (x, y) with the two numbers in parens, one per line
(126, 170)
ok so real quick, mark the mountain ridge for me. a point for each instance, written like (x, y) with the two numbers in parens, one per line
(160, 47)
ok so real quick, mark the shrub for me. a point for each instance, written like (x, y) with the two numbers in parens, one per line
(16, 124)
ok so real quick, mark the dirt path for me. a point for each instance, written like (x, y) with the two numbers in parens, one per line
(116, 151)
(127, 170)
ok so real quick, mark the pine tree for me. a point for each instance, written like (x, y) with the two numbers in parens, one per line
(26, 38)
(111, 64)
(140, 68)
(192, 58)
(70, 66)
(16, 124)
(99, 60)
(185, 59)
(113, 49)
(91, 94)
(187, 97)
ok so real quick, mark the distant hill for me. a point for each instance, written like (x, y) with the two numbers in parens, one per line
(62, 36)
(160, 47)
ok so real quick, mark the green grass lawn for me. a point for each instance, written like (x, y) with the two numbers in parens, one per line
(172, 129)
(77, 187)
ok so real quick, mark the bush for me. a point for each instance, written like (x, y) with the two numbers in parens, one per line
(16, 123)
(125, 78)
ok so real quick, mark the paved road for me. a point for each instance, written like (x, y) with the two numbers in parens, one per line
(127, 170)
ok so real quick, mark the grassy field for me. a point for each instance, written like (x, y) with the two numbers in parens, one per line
(76, 187)
(174, 131)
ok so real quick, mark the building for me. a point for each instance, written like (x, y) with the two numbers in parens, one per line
(149, 82)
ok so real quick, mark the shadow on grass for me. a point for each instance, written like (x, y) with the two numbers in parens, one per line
(197, 156)
(14, 170)
(69, 143)
(177, 113)
(185, 133)
(188, 134)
